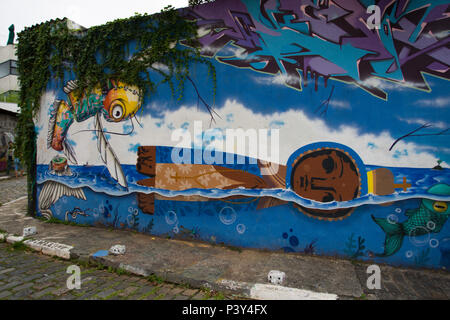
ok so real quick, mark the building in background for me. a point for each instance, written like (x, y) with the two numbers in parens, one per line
(9, 87)
(8, 121)
(9, 96)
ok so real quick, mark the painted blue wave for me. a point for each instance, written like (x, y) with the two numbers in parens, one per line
(98, 179)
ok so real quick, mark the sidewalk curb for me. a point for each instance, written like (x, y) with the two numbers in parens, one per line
(45, 247)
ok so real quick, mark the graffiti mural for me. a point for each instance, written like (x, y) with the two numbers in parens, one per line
(354, 162)
(330, 40)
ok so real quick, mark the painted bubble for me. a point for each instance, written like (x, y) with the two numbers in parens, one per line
(293, 240)
(240, 228)
(130, 220)
(227, 215)
(392, 219)
(171, 217)
(434, 243)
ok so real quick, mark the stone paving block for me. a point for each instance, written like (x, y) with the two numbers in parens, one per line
(10, 285)
(199, 296)
(14, 279)
(181, 297)
(120, 286)
(41, 293)
(22, 294)
(143, 291)
(128, 291)
(61, 291)
(106, 293)
(31, 277)
(165, 289)
(149, 297)
(23, 286)
(42, 286)
(189, 292)
(67, 297)
(177, 290)
(5, 294)
(7, 270)
(162, 296)
(45, 278)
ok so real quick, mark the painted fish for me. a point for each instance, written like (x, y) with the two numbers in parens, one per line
(430, 217)
(116, 102)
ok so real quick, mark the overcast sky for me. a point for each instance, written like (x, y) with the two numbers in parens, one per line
(88, 13)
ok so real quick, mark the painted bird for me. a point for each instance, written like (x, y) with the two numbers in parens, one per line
(430, 217)
(116, 101)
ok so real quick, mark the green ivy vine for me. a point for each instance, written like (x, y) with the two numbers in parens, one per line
(51, 50)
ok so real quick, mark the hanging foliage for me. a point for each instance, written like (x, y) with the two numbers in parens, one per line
(129, 50)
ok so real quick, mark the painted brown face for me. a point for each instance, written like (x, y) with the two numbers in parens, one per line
(325, 176)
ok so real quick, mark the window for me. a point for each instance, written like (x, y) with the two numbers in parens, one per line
(14, 70)
(8, 67)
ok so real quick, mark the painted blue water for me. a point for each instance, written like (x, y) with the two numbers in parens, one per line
(98, 179)
(284, 227)
(242, 223)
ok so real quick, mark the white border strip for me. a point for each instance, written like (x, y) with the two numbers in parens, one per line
(273, 292)
(261, 291)
(11, 202)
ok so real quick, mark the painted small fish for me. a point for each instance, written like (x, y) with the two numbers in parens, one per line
(116, 102)
(430, 217)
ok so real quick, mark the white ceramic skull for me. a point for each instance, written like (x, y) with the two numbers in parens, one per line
(117, 249)
(276, 277)
(29, 231)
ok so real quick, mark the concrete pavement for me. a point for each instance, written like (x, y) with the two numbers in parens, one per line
(12, 188)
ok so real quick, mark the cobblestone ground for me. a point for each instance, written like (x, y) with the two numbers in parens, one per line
(407, 284)
(26, 275)
(11, 189)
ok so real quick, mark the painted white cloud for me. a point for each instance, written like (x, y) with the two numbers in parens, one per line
(439, 124)
(388, 85)
(438, 102)
(434, 149)
(340, 104)
(278, 79)
(295, 131)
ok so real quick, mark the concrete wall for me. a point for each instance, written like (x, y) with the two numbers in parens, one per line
(346, 149)
(7, 53)
(8, 83)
